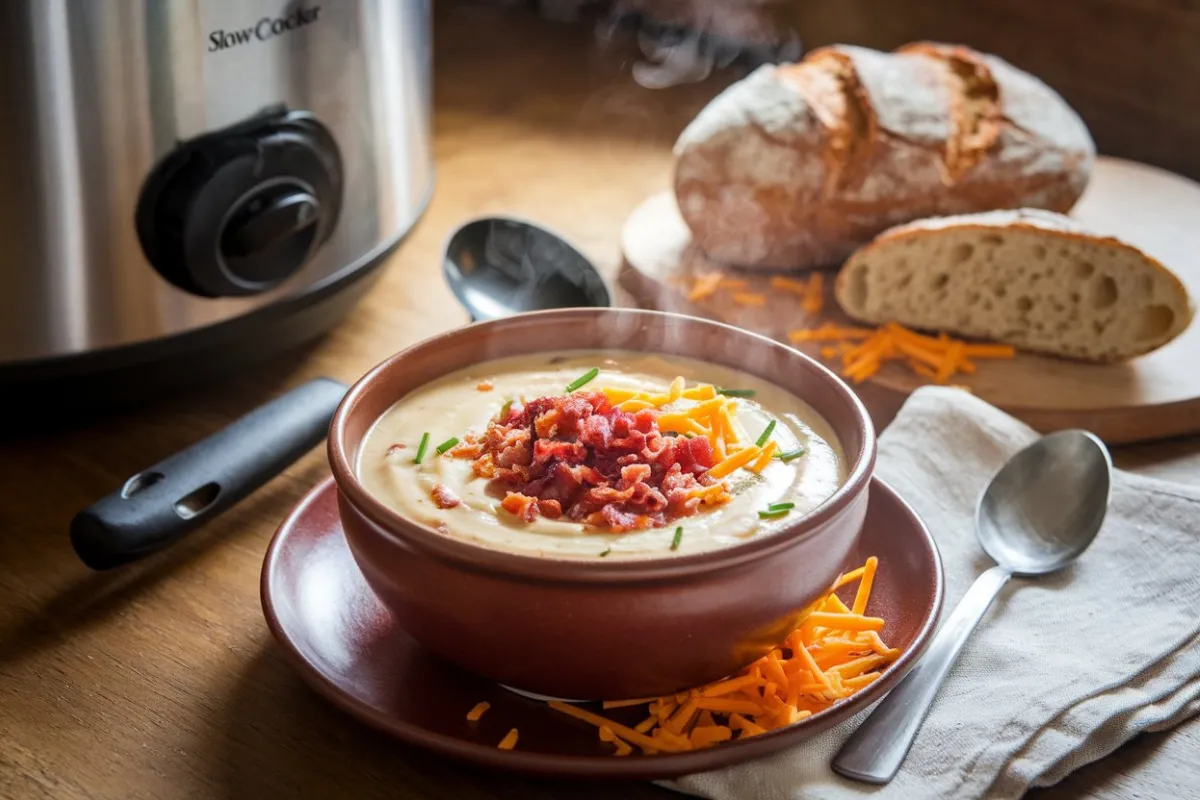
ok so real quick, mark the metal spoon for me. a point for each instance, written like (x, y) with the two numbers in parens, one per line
(1039, 513)
(499, 266)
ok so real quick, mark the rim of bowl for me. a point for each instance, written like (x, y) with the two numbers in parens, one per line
(479, 557)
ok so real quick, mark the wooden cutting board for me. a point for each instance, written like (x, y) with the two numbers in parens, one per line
(1151, 397)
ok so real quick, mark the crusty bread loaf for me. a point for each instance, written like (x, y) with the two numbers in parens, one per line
(1033, 279)
(796, 165)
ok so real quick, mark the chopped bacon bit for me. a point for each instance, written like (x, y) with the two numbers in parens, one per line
(581, 458)
(485, 386)
(550, 509)
(396, 448)
(520, 505)
(443, 497)
(466, 450)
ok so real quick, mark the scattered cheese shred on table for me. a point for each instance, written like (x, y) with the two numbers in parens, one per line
(811, 291)
(707, 284)
(478, 711)
(814, 294)
(509, 741)
(704, 286)
(834, 653)
(789, 285)
(864, 351)
(749, 299)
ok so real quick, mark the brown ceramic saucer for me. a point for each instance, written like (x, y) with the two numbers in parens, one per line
(345, 644)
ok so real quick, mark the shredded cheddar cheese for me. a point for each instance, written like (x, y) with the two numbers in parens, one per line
(704, 391)
(811, 291)
(731, 462)
(705, 286)
(727, 427)
(680, 423)
(707, 408)
(864, 351)
(710, 415)
(828, 333)
(764, 458)
(814, 294)
(833, 654)
(618, 396)
(749, 299)
(789, 285)
(509, 741)
(478, 711)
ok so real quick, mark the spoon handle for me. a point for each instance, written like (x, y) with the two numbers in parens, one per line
(874, 752)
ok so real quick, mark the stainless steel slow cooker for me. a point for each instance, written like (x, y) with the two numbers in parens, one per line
(189, 185)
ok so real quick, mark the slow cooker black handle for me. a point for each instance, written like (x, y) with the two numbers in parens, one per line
(160, 505)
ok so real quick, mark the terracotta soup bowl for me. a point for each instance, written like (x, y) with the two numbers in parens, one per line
(587, 630)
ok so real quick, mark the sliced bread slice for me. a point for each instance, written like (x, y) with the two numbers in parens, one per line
(1033, 279)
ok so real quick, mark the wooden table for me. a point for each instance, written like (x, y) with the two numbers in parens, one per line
(160, 680)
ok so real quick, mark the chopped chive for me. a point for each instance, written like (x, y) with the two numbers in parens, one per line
(586, 377)
(607, 550)
(421, 448)
(446, 445)
(678, 538)
(791, 454)
(781, 506)
(766, 434)
(736, 392)
(504, 409)
(772, 514)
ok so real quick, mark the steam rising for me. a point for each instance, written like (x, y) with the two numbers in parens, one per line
(672, 63)
(684, 41)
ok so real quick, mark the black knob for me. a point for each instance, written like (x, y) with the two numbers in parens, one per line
(238, 211)
(270, 234)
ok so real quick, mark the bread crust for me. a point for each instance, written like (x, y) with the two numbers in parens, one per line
(797, 165)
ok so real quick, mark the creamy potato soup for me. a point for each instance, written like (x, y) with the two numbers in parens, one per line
(646, 456)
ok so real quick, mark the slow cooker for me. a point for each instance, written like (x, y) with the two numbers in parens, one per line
(188, 186)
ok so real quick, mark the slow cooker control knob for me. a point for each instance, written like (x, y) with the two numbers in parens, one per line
(238, 211)
(271, 234)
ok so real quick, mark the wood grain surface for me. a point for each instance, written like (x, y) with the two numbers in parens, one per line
(1151, 397)
(160, 680)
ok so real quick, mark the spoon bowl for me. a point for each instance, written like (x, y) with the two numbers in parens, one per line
(1046, 505)
(500, 266)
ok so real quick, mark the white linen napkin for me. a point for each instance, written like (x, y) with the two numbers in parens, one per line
(1061, 671)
